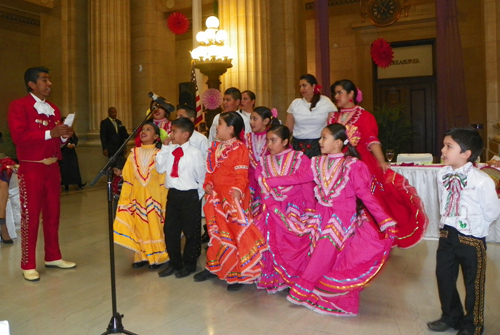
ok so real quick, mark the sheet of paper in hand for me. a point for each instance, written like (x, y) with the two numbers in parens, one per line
(69, 119)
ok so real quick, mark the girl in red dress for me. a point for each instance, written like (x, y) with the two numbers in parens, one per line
(236, 245)
(391, 189)
(261, 119)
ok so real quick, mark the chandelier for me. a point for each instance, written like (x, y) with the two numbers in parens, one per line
(212, 46)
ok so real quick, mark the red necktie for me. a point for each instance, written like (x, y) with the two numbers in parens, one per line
(178, 153)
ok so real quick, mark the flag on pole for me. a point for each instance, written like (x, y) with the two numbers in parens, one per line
(200, 116)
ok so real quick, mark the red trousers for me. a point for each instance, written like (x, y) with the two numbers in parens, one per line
(39, 189)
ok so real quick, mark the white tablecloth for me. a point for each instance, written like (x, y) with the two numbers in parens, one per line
(13, 210)
(423, 178)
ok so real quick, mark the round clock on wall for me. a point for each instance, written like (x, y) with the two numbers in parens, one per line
(384, 12)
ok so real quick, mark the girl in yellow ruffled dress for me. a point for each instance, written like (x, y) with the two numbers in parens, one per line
(141, 209)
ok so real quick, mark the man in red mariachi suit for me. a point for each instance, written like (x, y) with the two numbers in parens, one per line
(36, 129)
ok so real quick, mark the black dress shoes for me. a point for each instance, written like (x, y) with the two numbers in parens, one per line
(4, 241)
(81, 186)
(234, 287)
(203, 275)
(167, 272)
(205, 238)
(183, 273)
(139, 264)
(155, 266)
(438, 326)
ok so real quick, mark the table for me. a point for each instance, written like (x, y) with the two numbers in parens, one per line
(13, 210)
(423, 178)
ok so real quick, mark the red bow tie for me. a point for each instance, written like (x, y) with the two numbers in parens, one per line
(178, 153)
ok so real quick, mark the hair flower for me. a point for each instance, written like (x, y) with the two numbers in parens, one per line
(359, 96)
(317, 89)
(274, 112)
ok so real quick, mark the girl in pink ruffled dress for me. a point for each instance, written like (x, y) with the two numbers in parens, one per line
(261, 119)
(348, 249)
(285, 213)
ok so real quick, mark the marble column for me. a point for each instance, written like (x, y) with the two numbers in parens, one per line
(248, 26)
(197, 26)
(63, 49)
(109, 58)
(492, 63)
(153, 66)
(288, 52)
(321, 33)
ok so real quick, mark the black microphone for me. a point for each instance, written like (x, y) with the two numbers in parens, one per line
(162, 102)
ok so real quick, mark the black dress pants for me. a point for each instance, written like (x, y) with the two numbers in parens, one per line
(183, 216)
(468, 252)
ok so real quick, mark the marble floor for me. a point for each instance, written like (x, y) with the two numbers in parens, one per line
(399, 301)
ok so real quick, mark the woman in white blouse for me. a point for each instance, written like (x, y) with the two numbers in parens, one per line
(307, 116)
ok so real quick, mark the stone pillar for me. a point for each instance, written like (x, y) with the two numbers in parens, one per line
(248, 26)
(64, 51)
(321, 33)
(109, 57)
(288, 52)
(492, 62)
(153, 56)
(197, 26)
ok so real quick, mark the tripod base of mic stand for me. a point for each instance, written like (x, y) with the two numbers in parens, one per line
(115, 326)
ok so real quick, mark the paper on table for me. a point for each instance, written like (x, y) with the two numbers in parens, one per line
(69, 119)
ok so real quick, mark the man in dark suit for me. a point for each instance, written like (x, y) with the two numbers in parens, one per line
(113, 133)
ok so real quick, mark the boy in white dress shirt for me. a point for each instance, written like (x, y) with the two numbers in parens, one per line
(197, 140)
(230, 103)
(468, 205)
(185, 173)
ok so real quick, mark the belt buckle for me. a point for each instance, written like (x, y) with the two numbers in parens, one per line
(49, 161)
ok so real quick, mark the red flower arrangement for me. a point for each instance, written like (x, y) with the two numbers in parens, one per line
(178, 23)
(382, 53)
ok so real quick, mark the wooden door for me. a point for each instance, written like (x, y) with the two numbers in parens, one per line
(417, 95)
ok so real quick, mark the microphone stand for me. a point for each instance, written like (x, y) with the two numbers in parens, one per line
(115, 325)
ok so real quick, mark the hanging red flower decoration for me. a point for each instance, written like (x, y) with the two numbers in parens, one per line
(382, 53)
(211, 98)
(178, 23)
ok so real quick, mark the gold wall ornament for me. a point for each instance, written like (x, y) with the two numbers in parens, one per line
(383, 12)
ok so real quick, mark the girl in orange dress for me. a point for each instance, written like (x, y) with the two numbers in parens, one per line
(236, 245)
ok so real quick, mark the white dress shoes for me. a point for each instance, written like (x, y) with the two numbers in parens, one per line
(31, 275)
(61, 264)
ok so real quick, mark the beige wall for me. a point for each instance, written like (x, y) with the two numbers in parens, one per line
(19, 49)
(492, 66)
